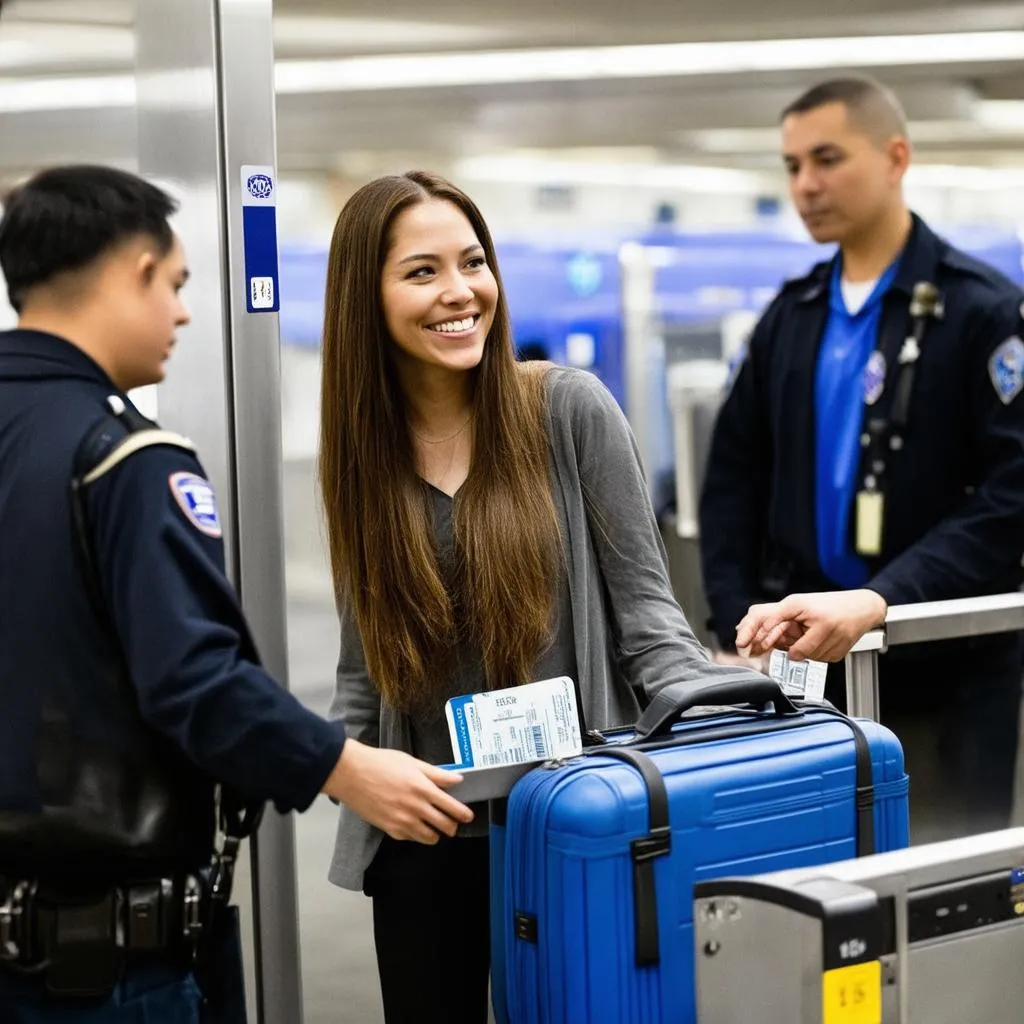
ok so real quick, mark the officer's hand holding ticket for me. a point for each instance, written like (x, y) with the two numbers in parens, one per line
(396, 792)
(820, 626)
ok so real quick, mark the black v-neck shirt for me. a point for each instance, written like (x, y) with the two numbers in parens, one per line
(429, 729)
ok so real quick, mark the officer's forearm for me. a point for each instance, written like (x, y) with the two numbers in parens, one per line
(244, 729)
(965, 555)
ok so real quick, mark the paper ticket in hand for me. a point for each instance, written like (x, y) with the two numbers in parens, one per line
(535, 722)
(804, 680)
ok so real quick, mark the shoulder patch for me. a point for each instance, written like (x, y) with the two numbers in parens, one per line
(196, 499)
(1006, 369)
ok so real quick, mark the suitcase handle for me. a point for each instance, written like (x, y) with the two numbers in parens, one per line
(674, 700)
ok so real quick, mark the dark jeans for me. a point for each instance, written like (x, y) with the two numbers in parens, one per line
(955, 707)
(144, 996)
(431, 928)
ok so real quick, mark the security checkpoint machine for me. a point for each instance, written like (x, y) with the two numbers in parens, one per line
(929, 935)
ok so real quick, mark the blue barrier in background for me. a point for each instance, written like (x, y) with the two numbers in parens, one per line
(712, 274)
(565, 300)
(1000, 249)
(303, 278)
(566, 305)
(564, 297)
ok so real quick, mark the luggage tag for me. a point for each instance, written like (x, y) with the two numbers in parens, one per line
(804, 680)
(870, 510)
(534, 722)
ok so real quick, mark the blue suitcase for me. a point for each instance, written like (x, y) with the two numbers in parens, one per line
(594, 864)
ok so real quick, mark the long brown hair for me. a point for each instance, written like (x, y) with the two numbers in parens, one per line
(380, 533)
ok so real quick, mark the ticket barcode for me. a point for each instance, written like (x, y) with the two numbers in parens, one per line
(537, 733)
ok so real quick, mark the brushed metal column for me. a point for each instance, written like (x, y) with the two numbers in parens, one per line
(638, 339)
(862, 685)
(206, 109)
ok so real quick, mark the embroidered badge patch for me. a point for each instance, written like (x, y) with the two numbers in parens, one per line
(196, 499)
(1006, 369)
(874, 378)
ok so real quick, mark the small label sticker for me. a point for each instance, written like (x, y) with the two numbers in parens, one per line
(804, 680)
(262, 292)
(536, 722)
(852, 995)
(258, 185)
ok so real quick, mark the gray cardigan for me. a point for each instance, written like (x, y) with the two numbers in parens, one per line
(629, 630)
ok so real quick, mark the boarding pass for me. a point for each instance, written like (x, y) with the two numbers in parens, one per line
(534, 722)
(804, 680)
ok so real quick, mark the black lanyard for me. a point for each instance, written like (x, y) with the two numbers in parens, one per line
(884, 434)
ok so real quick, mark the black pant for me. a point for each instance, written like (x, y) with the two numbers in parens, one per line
(431, 927)
(955, 707)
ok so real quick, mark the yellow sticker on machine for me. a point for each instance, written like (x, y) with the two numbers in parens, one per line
(853, 995)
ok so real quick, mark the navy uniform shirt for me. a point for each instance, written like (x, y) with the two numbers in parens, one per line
(189, 655)
(954, 512)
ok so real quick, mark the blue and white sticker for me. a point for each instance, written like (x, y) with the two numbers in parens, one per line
(196, 499)
(1006, 369)
(259, 239)
(874, 378)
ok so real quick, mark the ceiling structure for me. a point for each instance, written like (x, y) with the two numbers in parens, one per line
(959, 73)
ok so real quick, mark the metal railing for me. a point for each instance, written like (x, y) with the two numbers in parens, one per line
(921, 623)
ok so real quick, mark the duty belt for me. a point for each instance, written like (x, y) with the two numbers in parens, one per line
(79, 941)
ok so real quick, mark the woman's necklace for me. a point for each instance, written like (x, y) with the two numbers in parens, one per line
(442, 440)
(438, 481)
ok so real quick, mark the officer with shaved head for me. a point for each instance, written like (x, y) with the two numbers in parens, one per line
(870, 452)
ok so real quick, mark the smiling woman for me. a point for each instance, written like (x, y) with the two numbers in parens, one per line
(439, 297)
(488, 525)
(422, 394)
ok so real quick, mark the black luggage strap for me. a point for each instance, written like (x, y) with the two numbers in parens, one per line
(657, 843)
(864, 785)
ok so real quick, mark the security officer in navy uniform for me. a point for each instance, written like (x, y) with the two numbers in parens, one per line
(870, 452)
(131, 693)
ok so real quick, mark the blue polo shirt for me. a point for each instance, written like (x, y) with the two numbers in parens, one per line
(846, 347)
